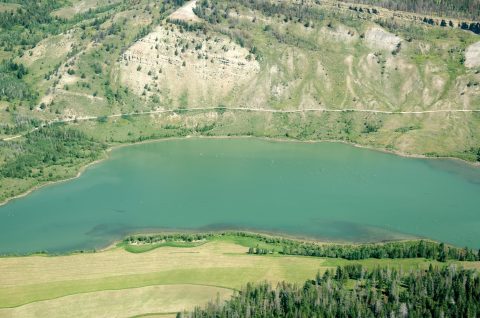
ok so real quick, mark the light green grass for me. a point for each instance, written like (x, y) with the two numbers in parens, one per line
(149, 247)
(246, 241)
(4, 7)
(216, 263)
(160, 299)
(221, 263)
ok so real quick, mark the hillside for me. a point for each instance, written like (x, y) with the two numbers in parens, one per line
(109, 72)
(445, 8)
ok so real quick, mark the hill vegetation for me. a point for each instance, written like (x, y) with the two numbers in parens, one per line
(127, 71)
(469, 9)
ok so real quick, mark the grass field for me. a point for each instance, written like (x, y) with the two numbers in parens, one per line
(163, 280)
(162, 299)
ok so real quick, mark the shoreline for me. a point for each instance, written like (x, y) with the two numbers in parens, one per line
(81, 170)
(113, 147)
(221, 233)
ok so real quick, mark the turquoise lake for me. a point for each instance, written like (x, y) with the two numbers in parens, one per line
(326, 191)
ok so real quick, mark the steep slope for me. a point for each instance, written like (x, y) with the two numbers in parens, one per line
(126, 71)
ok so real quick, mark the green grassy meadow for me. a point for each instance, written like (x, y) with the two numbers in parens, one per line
(157, 278)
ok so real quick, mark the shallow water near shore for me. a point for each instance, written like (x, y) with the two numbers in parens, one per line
(326, 191)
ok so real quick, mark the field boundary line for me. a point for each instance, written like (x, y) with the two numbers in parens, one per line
(116, 289)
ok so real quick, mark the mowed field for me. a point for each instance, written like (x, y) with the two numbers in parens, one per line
(162, 281)
(117, 283)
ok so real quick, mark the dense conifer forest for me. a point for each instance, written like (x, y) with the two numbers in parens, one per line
(353, 291)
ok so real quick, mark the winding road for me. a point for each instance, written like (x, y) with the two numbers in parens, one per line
(153, 112)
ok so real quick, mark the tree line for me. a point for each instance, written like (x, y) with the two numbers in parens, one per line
(272, 244)
(468, 9)
(170, 237)
(393, 250)
(465, 25)
(215, 11)
(379, 292)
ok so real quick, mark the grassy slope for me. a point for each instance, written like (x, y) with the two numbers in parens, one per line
(78, 279)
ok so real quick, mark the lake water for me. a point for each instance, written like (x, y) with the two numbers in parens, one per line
(326, 191)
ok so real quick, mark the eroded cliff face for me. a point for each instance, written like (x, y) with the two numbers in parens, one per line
(189, 68)
(290, 65)
(472, 56)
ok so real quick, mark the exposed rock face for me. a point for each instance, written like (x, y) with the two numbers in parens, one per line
(472, 56)
(340, 34)
(378, 38)
(199, 67)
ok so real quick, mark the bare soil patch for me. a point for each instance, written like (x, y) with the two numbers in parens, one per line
(186, 69)
(378, 38)
(472, 56)
(186, 13)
